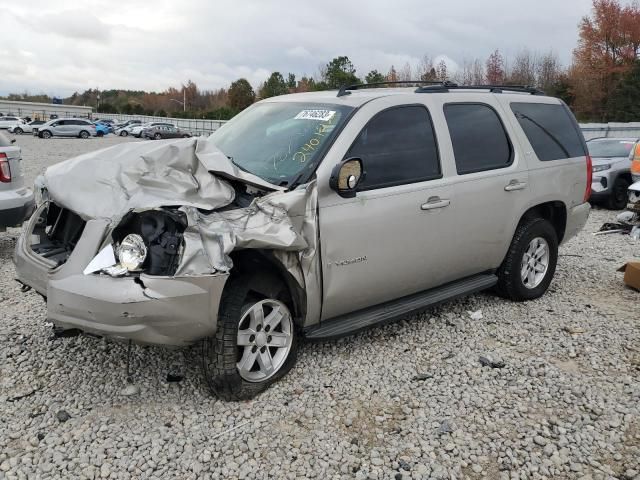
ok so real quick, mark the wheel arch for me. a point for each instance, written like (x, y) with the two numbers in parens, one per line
(266, 273)
(554, 211)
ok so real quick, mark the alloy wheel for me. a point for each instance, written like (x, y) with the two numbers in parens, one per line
(535, 262)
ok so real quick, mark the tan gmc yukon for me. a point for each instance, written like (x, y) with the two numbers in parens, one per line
(309, 215)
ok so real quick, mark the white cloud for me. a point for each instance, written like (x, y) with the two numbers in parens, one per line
(67, 45)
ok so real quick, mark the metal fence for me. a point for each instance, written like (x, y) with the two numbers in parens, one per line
(613, 130)
(195, 126)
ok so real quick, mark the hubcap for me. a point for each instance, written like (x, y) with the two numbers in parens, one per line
(265, 334)
(535, 262)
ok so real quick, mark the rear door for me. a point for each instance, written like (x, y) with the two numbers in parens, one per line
(61, 128)
(391, 240)
(491, 182)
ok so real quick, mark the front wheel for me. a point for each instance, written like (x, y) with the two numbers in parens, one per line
(157, 136)
(46, 134)
(618, 198)
(531, 261)
(255, 343)
(84, 134)
(18, 131)
(124, 133)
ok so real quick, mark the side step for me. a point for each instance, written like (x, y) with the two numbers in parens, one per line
(355, 321)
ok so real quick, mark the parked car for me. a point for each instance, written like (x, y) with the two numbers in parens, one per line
(21, 128)
(128, 122)
(16, 201)
(107, 125)
(125, 130)
(66, 127)
(611, 170)
(9, 121)
(136, 131)
(313, 214)
(102, 129)
(160, 132)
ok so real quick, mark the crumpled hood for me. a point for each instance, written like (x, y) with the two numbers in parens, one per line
(109, 183)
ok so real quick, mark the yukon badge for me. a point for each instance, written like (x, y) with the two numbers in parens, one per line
(351, 261)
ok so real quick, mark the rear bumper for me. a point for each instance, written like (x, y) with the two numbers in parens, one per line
(576, 220)
(173, 311)
(15, 207)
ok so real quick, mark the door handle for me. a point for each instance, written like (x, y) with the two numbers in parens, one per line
(515, 185)
(435, 202)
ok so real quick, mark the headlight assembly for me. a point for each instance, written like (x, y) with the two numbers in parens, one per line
(132, 252)
(600, 168)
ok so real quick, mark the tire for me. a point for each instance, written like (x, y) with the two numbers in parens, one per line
(99, 134)
(124, 133)
(18, 131)
(186, 135)
(511, 283)
(157, 136)
(618, 198)
(222, 355)
(84, 134)
(46, 134)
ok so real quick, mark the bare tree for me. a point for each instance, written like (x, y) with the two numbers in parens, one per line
(524, 68)
(405, 74)
(548, 70)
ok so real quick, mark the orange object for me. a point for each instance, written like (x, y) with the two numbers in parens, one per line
(635, 159)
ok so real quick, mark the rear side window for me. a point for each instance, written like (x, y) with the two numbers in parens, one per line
(551, 130)
(479, 139)
(398, 146)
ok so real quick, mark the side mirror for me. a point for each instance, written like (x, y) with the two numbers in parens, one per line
(346, 176)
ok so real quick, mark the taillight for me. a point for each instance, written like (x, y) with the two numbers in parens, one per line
(5, 170)
(587, 191)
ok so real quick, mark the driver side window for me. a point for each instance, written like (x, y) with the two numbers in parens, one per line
(397, 146)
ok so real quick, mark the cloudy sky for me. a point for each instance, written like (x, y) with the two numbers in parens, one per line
(68, 45)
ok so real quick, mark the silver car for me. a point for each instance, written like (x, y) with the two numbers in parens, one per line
(16, 201)
(611, 170)
(66, 127)
(309, 215)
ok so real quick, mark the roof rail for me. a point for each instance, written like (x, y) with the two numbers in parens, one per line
(346, 89)
(446, 86)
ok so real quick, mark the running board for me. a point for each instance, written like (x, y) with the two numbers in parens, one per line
(385, 312)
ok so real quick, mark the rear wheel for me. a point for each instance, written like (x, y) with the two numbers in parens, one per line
(255, 343)
(157, 136)
(45, 134)
(530, 263)
(618, 198)
(84, 134)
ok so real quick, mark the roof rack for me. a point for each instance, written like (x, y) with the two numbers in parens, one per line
(345, 89)
(446, 86)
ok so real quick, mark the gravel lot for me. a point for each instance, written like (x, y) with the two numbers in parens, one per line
(410, 400)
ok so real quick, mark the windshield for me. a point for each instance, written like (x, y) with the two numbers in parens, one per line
(277, 141)
(610, 148)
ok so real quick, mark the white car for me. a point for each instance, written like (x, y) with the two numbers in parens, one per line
(127, 129)
(10, 121)
(21, 128)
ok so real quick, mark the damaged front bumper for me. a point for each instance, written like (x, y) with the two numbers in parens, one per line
(147, 309)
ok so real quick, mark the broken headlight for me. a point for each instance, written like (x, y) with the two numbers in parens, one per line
(132, 252)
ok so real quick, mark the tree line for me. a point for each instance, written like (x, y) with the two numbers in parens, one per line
(602, 83)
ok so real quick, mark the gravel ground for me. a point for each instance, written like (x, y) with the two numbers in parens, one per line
(409, 400)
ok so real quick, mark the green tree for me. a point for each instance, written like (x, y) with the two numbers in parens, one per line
(339, 71)
(624, 103)
(291, 81)
(241, 94)
(274, 86)
(374, 76)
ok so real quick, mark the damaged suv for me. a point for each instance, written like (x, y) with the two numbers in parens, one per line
(309, 215)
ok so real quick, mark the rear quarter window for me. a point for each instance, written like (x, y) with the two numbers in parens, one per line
(551, 130)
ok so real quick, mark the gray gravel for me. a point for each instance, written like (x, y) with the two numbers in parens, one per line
(410, 400)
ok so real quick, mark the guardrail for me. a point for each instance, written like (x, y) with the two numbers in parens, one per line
(613, 130)
(195, 126)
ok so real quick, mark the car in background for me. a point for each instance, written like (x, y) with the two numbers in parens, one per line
(125, 131)
(137, 130)
(109, 126)
(102, 129)
(21, 128)
(160, 132)
(16, 201)
(10, 121)
(611, 170)
(66, 127)
(127, 123)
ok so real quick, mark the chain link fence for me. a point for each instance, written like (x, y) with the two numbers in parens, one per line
(195, 126)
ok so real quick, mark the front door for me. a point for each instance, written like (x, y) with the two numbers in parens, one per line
(392, 239)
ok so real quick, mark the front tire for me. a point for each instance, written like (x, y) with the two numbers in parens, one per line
(530, 264)
(84, 134)
(124, 133)
(46, 134)
(18, 131)
(618, 198)
(255, 343)
(157, 136)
